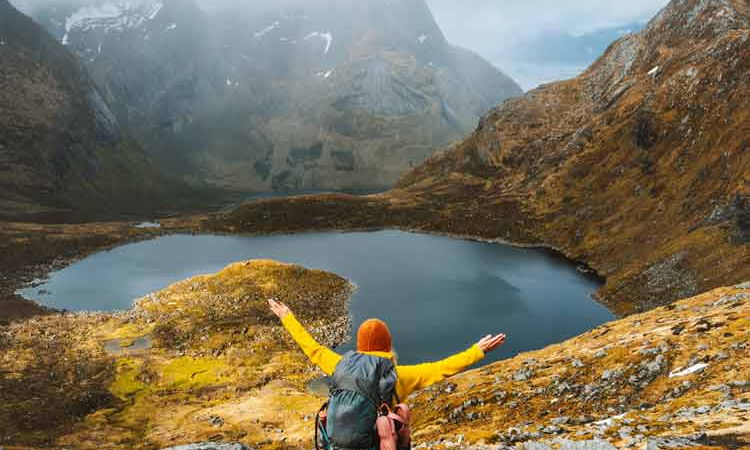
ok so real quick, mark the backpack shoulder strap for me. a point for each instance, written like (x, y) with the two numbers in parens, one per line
(388, 379)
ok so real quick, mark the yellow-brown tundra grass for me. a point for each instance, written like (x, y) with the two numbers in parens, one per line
(219, 367)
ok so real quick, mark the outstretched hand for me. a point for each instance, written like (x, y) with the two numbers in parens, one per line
(490, 342)
(278, 308)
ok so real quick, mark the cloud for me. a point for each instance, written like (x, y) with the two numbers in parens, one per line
(530, 18)
(509, 32)
(502, 24)
(540, 40)
(501, 21)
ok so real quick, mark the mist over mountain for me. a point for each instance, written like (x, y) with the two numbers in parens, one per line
(62, 149)
(280, 96)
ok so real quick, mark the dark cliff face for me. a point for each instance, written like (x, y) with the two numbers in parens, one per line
(60, 143)
(638, 166)
(235, 96)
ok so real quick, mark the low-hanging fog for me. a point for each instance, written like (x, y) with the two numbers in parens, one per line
(532, 40)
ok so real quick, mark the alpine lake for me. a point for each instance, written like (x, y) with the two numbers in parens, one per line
(439, 295)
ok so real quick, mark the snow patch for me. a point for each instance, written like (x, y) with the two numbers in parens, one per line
(609, 421)
(267, 29)
(422, 38)
(322, 34)
(692, 369)
(148, 225)
(654, 71)
(111, 16)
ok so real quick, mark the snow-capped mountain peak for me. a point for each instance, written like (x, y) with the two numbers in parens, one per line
(111, 16)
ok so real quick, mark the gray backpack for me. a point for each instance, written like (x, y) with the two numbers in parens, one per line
(361, 385)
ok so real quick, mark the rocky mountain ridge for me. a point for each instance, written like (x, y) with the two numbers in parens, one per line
(290, 95)
(647, 146)
(61, 145)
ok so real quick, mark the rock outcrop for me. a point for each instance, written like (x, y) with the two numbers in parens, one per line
(286, 95)
(61, 146)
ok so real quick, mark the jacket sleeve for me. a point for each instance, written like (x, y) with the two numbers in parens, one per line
(321, 356)
(414, 378)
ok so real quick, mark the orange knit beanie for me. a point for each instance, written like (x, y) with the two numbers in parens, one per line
(373, 336)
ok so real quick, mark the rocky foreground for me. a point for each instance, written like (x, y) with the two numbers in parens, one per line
(204, 361)
(675, 377)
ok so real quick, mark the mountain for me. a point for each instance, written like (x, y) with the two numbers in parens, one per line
(282, 95)
(637, 167)
(559, 55)
(61, 146)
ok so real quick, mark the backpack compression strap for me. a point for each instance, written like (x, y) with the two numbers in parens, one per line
(320, 427)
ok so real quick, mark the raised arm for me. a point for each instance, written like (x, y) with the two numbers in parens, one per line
(414, 378)
(321, 356)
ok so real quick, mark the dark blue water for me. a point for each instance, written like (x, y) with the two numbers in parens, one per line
(439, 295)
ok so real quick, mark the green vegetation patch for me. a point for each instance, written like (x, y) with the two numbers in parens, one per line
(195, 372)
(126, 383)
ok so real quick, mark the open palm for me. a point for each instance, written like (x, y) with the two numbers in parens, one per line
(278, 308)
(490, 342)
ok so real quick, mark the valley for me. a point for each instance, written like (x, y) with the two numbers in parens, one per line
(634, 175)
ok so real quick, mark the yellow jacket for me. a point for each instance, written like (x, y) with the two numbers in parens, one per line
(410, 378)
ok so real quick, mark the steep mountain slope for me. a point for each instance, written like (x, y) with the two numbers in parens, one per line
(638, 167)
(282, 95)
(61, 146)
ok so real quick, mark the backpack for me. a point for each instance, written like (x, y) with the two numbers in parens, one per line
(361, 385)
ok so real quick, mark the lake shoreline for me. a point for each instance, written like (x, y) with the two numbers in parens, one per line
(17, 307)
(37, 263)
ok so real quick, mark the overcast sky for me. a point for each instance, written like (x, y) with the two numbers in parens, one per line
(540, 40)
(532, 40)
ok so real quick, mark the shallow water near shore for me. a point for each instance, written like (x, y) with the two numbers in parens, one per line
(439, 295)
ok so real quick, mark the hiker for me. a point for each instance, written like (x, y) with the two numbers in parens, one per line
(367, 388)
